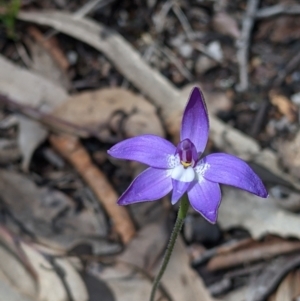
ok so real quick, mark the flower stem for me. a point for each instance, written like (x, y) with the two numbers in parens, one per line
(184, 205)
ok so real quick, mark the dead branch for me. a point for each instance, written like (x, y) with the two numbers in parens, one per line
(243, 44)
(71, 149)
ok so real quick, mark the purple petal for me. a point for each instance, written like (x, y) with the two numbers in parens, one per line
(152, 184)
(148, 149)
(179, 188)
(205, 198)
(230, 170)
(195, 124)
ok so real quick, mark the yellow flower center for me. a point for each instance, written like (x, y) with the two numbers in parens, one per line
(186, 164)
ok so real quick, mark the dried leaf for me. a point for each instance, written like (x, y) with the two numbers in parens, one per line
(31, 135)
(289, 288)
(282, 29)
(29, 203)
(45, 65)
(258, 216)
(226, 25)
(114, 107)
(284, 105)
(31, 89)
(12, 270)
(179, 281)
(49, 277)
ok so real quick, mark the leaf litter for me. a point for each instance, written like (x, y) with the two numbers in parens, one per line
(46, 209)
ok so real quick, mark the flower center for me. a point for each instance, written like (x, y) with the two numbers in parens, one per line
(187, 153)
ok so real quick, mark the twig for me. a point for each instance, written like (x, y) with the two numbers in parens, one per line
(71, 149)
(290, 66)
(183, 20)
(200, 47)
(243, 44)
(276, 10)
(190, 33)
(161, 16)
(174, 60)
(267, 282)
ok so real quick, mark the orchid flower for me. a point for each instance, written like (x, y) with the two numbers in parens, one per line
(182, 169)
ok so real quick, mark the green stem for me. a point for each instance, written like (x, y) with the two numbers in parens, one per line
(184, 205)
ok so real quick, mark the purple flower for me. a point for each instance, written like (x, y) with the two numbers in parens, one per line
(182, 169)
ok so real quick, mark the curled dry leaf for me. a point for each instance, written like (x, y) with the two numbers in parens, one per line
(113, 108)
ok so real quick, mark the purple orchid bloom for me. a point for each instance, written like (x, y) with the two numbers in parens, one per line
(182, 169)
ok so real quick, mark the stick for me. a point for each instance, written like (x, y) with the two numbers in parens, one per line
(71, 149)
(243, 44)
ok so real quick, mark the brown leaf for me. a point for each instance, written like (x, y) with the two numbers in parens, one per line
(284, 105)
(116, 108)
(36, 209)
(226, 25)
(282, 29)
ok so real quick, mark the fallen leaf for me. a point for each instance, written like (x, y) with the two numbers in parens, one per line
(45, 65)
(127, 278)
(114, 108)
(63, 231)
(288, 289)
(284, 105)
(258, 216)
(282, 29)
(31, 135)
(12, 270)
(9, 293)
(226, 25)
(28, 88)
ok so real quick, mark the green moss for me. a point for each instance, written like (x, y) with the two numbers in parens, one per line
(8, 13)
